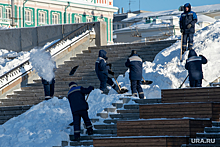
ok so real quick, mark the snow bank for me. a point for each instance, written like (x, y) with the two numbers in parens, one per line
(167, 72)
(44, 125)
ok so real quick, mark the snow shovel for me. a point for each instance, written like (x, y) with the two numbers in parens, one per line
(183, 81)
(121, 90)
(181, 48)
(73, 70)
(146, 82)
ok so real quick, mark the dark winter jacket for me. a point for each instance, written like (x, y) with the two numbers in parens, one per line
(76, 97)
(134, 63)
(101, 66)
(186, 18)
(194, 65)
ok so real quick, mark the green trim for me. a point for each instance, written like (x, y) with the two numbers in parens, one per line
(69, 18)
(32, 23)
(110, 29)
(19, 17)
(106, 20)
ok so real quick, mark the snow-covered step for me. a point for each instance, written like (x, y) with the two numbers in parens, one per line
(109, 109)
(128, 111)
(125, 116)
(147, 101)
(82, 143)
(118, 105)
(105, 126)
(102, 114)
(212, 130)
(125, 100)
(135, 106)
(208, 135)
(215, 123)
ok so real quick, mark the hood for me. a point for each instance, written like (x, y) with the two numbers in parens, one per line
(192, 53)
(102, 53)
(187, 5)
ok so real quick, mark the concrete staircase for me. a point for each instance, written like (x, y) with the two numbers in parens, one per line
(85, 76)
(209, 133)
(189, 114)
(120, 111)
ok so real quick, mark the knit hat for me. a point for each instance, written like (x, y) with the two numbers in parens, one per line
(72, 84)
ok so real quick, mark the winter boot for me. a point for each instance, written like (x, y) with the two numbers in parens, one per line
(90, 131)
(183, 50)
(134, 94)
(47, 98)
(189, 48)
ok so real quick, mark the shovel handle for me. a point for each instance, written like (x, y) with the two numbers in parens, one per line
(87, 97)
(117, 83)
(143, 79)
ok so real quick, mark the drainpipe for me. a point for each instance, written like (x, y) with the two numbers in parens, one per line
(24, 13)
(65, 16)
(13, 13)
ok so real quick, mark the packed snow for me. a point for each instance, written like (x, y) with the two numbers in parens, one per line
(45, 124)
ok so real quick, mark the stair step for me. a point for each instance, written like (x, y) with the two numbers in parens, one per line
(125, 116)
(147, 101)
(104, 126)
(208, 135)
(90, 137)
(131, 106)
(102, 115)
(125, 100)
(215, 124)
(118, 105)
(212, 130)
(82, 143)
(110, 109)
(114, 121)
(105, 131)
(128, 111)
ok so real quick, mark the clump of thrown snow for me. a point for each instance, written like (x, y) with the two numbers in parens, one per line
(44, 125)
(43, 63)
(167, 72)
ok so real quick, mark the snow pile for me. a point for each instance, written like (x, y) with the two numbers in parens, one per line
(11, 59)
(44, 125)
(167, 72)
(43, 64)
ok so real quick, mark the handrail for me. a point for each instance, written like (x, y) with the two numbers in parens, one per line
(18, 68)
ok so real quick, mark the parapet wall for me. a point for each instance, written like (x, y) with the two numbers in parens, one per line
(24, 39)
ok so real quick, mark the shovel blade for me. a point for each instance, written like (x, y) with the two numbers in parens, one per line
(123, 90)
(73, 70)
(146, 82)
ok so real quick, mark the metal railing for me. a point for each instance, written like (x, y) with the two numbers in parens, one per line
(22, 69)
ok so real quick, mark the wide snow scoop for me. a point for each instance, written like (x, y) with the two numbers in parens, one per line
(73, 70)
(146, 82)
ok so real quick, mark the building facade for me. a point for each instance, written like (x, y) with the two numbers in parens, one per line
(32, 13)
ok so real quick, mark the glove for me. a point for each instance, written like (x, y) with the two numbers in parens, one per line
(91, 87)
(189, 26)
(111, 72)
(110, 65)
(181, 30)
